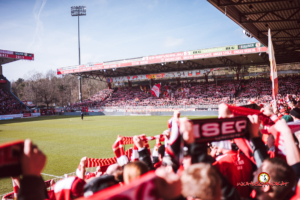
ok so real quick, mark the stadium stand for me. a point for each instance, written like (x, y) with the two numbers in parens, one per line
(192, 94)
(9, 104)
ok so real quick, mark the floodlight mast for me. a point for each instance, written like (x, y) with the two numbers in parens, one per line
(79, 11)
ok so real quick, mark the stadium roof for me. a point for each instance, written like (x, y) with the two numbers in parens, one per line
(256, 16)
(10, 56)
(165, 65)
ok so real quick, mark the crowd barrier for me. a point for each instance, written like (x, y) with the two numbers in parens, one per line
(159, 113)
(15, 116)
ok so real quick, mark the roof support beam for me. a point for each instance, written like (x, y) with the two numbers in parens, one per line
(268, 21)
(264, 11)
(288, 29)
(227, 61)
(248, 2)
(273, 13)
(278, 38)
(292, 15)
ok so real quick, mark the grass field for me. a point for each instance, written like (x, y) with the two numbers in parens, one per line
(66, 139)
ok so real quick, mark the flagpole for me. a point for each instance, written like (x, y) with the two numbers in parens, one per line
(271, 58)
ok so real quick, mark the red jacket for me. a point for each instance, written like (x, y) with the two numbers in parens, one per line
(237, 168)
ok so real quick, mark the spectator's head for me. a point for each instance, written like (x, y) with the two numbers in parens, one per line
(292, 103)
(298, 104)
(297, 134)
(134, 170)
(99, 183)
(187, 159)
(170, 164)
(278, 171)
(161, 152)
(201, 181)
(295, 113)
(112, 169)
(271, 141)
(98, 169)
(282, 110)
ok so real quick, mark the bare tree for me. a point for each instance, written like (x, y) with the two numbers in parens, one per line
(49, 89)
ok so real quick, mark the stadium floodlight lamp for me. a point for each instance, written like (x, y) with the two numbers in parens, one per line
(78, 10)
(247, 34)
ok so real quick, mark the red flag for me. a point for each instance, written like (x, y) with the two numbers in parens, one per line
(155, 90)
(273, 69)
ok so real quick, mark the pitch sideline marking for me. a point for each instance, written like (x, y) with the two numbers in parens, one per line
(52, 175)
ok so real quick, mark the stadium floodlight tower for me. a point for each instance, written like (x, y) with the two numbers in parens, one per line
(78, 11)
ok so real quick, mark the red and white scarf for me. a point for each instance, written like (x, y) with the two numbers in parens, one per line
(68, 188)
(268, 123)
(16, 188)
(122, 140)
(102, 162)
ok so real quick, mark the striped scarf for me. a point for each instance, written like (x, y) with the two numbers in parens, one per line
(268, 128)
(118, 148)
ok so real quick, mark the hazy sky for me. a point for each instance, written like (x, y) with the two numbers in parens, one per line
(111, 30)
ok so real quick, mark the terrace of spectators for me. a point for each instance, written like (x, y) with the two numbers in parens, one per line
(9, 103)
(193, 94)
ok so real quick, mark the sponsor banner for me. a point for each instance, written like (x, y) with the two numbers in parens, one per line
(23, 54)
(218, 49)
(27, 115)
(6, 118)
(6, 52)
(13, 56)
(11, 116)
(35, 114)
(171, 57)
(182, 74)
(252, 45)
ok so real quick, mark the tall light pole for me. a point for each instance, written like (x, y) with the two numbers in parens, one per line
(78, 11)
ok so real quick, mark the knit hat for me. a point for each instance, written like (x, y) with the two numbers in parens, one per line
(287, 118)
(296, 112)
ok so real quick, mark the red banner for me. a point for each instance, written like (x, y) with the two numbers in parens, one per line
(3, 55)
(27, 115)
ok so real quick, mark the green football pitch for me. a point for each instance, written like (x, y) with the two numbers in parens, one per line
(66, 139)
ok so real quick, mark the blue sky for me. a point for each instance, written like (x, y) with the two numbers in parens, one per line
(112, 30)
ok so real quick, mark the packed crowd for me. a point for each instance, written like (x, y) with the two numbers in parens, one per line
(186, 167)
(196, 93)
(9, 104)
(93, 100)
(259, 89)
(191, 93)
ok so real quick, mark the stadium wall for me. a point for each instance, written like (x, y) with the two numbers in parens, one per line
(183, 113)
